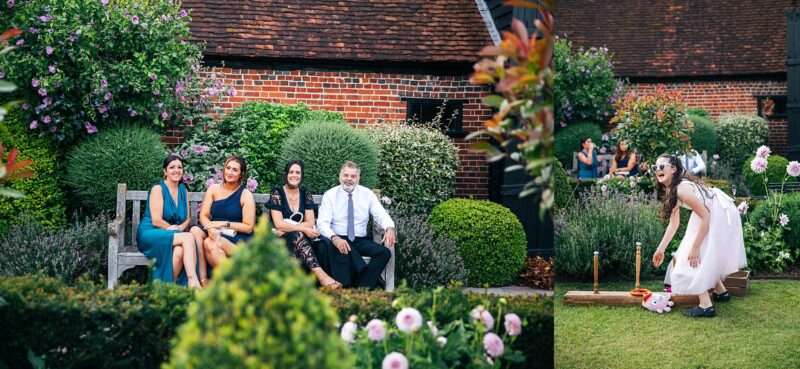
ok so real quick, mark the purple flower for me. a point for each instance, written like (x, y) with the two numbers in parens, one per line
(394, 360)
(51, 69)
(72, 37)
(513, 324)
(45, 18)
(47, 101)
(46, 119)
(409, 320)
(212, 91)
(20, 42)
(53, 129)
(784, 220)
(104, 2)
(376, 329)
(34, 124)
(26, 106)
(132, 112)
(34, 83)
(199, 149)
(2, 75)
(103, 83)
(107, 96)
(10, 3)
(758, 165)
(348, 332)
(42, 92)
(188, 178)
(493, 345)
(183, 13)
(33, 30)
(743, 207)
(210, 182)
(793, 169)
(164, 115)
(102, 109)
(252, 185)
(90, 128)
(231, 91)
(763, 152)
(135, 19)
(152, 76)
(49, 50)
(184, 153)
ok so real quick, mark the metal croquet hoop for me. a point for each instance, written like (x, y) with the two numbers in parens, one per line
(639, 291)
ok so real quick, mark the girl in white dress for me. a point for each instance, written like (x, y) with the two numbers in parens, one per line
(713, 246)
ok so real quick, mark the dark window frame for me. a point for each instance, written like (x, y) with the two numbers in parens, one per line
(455, 127)
(778, 113)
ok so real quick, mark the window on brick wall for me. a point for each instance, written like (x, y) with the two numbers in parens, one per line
(772, 106)
(451, 113)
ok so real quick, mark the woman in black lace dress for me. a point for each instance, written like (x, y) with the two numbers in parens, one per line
(292, 213)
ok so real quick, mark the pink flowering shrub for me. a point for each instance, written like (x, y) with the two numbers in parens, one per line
(83, 65)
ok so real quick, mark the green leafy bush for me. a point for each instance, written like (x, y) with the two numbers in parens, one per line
(568, 140)
(739, 137)
(417, 168)
(88, 326)
(260, 311)
(722, 184)
(535, 342)
(585, 87)
(490, 239)
(653, 124)
(425, 259)
(324, 148)
(776, 171)
(766, 249)
(611, 223)
(698, 112)
(760, 216)
(124, 154)
(565, 190)
(90, 65)
(44, 199)
(67, 253)
(704, 134)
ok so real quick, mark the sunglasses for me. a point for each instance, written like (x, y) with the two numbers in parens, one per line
(662, 166)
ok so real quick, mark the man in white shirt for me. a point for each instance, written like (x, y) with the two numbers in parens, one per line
(693, 162)
(343, 217)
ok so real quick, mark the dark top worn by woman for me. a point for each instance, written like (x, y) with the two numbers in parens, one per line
(229, 209)
(623, 163)
(296, 241)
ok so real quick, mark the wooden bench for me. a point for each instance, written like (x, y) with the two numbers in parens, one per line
(787, 187)
(604, 163)
(123, 253)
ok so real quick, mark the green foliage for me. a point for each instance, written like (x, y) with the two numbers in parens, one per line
(698, 112)
(565, 190)
(739, 137)
(417, 168)
(425, 259)
(124, 154)
(87, 65)
(653, 124)
(89, 326)
(261, 311)
(67, 253)
(766, 249)
(761, 217)
(44, 199)
(611, 223)
(704, 135)
(568, 140)
(722, 184)
(585, 87)
(324, 148)
(490, 239)
(535, 342)
(776, 171)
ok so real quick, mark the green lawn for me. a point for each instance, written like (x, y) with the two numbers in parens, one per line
(759, 331)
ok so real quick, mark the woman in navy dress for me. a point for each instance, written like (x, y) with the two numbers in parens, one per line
(228, 213)
(292, 213)
(624, 162)
(161, 234)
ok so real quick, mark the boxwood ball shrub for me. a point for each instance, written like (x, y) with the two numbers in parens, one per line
(124, 154)
(490, 239)
(417, 168)
(740, 136)
(86, 65)
(585, 87)
(704, 135)
(324, 147)
(44, 199)
(776, 171)
(424, 258)
(261, 311)
(568, 140)
(87, 325)
(562, 185)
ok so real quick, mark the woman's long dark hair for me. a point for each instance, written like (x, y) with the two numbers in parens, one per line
(618, 156)
(169, 159)
(669, 194)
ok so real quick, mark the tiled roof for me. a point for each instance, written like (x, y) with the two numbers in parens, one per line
(354, 30)
(657, 38)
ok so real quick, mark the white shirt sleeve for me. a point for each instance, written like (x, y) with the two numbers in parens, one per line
(380, 214)
(700, 165)
(326, 215)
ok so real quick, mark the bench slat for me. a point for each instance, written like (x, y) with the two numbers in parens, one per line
(135, 218)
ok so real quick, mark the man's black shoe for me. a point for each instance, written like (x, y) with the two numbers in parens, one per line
(721, 297)
(698, 312)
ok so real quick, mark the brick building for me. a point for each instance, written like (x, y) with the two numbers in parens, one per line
(725, 56)
(371, 60)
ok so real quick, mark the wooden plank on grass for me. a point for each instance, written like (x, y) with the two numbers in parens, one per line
(617, 298)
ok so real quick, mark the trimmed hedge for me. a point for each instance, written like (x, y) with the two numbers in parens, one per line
(490, 239)
(88, 326)
(324, 147)
(704, 136)
(568, 140)
(564, 189)
(424, 258)
(739, 137)
(535, 342)
(44, 200)
(776, 171)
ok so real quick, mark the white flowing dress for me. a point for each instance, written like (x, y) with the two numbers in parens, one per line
(722, 251)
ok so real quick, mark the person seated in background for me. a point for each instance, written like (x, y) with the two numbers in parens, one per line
(292, 213)
(343, 218)
(228, 213)
(693, 163)
(162, 235)
(587, 159)
(623, 163)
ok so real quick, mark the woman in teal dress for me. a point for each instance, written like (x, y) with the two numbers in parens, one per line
(587, 160)
(161, 234)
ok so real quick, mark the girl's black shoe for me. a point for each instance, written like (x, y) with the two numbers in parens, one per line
(721, 297)
(698, 312)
